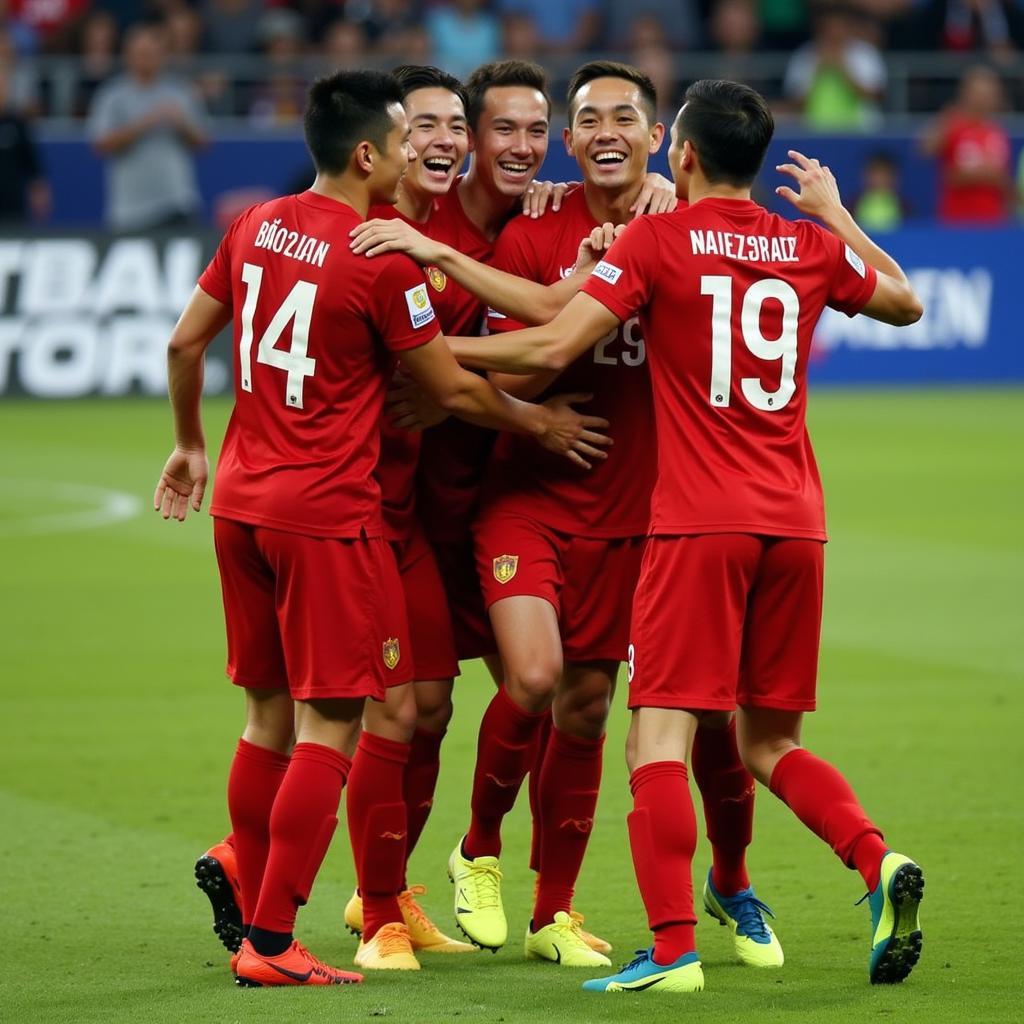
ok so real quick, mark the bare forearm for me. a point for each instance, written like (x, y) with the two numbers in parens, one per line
(844, 227)
(528, 351)
(477, 401)
(185, 388)
(525, 301)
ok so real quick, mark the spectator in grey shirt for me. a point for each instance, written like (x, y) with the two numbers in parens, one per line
(147, 125)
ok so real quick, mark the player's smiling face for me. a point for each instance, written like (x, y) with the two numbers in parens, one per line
(393, 160)
(511, 137)
(440, 137)
(611, 136)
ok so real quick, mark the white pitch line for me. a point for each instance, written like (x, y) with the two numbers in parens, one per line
(104, 507)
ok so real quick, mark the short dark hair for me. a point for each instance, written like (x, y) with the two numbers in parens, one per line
(344, 109)
(613, 69)
(730, 126)
(500, 73)
(424, 76)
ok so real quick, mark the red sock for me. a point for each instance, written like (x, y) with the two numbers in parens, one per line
(727, 790)
(823, 800)
(255, 777)
(543, 735)
(419, 783)
(378, 827)
(504, 752)
(663, 836)
(302, 822)
(568, 796)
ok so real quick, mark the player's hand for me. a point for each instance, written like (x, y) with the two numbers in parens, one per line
(818, 194)
(571, 434)
(182, 483)
(409, 407)
(595, 245)
(377, 236)
(539, 193)
(657, 196)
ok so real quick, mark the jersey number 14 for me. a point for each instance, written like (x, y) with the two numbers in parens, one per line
(297, 309)
(783, 348)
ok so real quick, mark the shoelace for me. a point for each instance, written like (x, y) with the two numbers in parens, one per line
(316, 965)
(412, 908)
(747, 911)
(393, 940)
(487, 883)
(571, 930)
(642, 956)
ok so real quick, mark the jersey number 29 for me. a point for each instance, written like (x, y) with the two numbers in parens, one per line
(296, 309)
(782, 348)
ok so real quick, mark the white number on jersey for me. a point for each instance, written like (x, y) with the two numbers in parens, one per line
(782, 348)
(635, 352)
(296, 309)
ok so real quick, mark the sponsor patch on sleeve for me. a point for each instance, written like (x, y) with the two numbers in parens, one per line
(855, 261)
(418, 302)
(607, 272)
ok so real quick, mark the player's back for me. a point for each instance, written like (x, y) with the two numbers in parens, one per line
(311, 322)
(733, 295)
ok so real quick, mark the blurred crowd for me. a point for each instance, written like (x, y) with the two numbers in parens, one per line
(823, 61)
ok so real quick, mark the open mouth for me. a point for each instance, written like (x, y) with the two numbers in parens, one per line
(439, 165)
(609, 158)
(515, 169)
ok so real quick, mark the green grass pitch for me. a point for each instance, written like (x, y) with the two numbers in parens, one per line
(118, 728)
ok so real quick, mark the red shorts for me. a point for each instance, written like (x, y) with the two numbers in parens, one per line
(726, 619)
(432, 646)
(457, 565)
(589, 582)
(310, 613)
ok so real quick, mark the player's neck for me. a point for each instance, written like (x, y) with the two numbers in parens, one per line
(414, 205)
(352, 193)
(488, 210)
(611, 205)
(702, 189)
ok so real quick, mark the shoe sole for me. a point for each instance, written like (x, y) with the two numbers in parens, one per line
(252, 983)
(227, 919)
(469, 938)
(903, 949)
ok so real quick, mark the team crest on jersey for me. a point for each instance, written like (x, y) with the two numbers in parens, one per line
(392, 652)
(436, 276)
(505, 567)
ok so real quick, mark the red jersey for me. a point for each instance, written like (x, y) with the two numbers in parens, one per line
(613, 498)
(454, 453)
(968, 143)
(458, 313)
(313, 328)
(729, 296)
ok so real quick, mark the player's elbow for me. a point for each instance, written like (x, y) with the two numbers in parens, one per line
(555, 357)
(911, 309)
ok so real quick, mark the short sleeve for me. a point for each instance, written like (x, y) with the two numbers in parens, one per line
(622, 281)
(515, 253)
(399, 306)
(853, 281)
(215, 280)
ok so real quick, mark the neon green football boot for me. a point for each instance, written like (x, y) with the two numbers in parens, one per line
(478, 910)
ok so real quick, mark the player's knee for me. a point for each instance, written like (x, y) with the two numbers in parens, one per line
(533, 686)
(760, 757)
(434, 714)
(583, 713)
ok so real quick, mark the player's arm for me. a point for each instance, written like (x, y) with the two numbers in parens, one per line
(523, 300)
(552, 346)
(893, 301)
(183, 480)
(473, 398)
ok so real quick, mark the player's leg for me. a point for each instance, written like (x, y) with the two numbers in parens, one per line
(319, 584)
(727, 793)
(302, 822)
(684, 660)
(567, 798)
(230, 873)
(778, 686)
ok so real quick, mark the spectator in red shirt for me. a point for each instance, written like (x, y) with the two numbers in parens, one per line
(973, 150)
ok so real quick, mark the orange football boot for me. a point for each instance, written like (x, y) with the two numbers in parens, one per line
(295, 966)
(217, 876)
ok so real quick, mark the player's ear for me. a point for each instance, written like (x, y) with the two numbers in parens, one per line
(472, 139)
(364, 155)
(687, 157)
(567, 139)
(657, 138)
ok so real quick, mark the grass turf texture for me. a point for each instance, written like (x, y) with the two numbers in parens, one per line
(118, 729)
